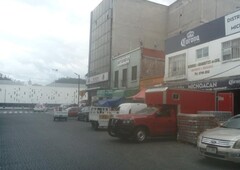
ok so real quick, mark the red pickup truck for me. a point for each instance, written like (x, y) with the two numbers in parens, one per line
(149, 122)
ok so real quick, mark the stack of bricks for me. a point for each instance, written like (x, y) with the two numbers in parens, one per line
(191, 125)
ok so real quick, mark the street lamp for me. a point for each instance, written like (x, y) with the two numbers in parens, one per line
(78, 86)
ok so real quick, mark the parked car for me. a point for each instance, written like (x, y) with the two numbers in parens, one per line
(83, 114)
(60, 114)
(72, 111)
(222, 142)
(40, 108)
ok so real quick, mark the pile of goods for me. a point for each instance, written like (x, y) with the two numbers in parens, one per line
(191, 125)
(221, 116)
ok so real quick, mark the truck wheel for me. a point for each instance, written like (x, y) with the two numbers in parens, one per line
(95, 125)
(140, 135)
(111, 133)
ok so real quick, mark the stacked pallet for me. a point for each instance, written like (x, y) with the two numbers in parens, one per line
(191, 125)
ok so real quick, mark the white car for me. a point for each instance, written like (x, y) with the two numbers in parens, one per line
(222, 142)
(60, 114)
(40, 108)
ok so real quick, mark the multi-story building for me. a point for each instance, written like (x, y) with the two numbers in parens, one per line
(137, 69)
(207, 57)
(57, 93)
(119, 26)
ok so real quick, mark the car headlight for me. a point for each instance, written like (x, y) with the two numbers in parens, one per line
(199, 139)
(237, 145)
(127, 121)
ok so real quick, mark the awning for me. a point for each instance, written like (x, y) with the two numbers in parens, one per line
(125, 93)
(115, 102)
(140, 95)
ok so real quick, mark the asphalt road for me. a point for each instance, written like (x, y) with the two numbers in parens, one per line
(35, 141)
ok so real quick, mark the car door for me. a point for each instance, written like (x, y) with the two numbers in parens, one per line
(164, 121)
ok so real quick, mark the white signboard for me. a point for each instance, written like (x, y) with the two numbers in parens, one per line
(232, 23)
(124, 60)
(98, 78)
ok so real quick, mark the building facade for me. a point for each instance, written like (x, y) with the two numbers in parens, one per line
(119, 26)
(184, 15)
(52, 95)
(129, 69)
(207, 57)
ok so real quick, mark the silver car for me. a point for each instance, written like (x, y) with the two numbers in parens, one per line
(222, 142)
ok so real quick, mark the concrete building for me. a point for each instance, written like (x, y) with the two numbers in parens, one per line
(117, 27)
(184, 15)
(130, 69)
(28, 94)
(207, 57)
(120, 26)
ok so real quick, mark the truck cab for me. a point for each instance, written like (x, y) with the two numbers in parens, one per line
(154, 121)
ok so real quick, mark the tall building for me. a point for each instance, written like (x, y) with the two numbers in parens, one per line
(119, 26)
(184, 15)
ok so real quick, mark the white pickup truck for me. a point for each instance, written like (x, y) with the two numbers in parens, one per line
(99, 116)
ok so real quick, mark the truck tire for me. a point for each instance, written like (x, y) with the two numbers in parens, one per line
(95, 125)
(140, 135)
(111, 133)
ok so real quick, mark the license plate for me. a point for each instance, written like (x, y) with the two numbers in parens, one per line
(211, 150)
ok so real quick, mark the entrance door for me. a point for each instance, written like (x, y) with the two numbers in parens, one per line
(225, 102)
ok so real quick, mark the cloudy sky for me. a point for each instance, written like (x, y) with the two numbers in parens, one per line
(40, 36)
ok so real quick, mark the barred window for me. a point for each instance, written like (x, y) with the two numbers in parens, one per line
(177, 65)
(116, 79)
(124, 78)
(231, 50)
(201, 53)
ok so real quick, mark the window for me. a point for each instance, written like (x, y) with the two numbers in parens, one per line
(134, 73)
(231, 50)
(124, 78)
(116, 79)
(177, 65)
(201, 53)
(175, 96)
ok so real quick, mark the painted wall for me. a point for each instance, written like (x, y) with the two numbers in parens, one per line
(39, 94)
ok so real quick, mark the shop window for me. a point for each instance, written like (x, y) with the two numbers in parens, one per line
(134, 73)
(116, 79)
(231, 50)
(177, 65)
(202, 53)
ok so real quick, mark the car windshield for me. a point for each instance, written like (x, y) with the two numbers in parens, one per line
(147, 110)
(233, 123)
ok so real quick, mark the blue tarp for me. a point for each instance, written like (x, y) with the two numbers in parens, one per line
(115, 102)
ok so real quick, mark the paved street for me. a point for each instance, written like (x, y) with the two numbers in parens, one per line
(35, 141)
